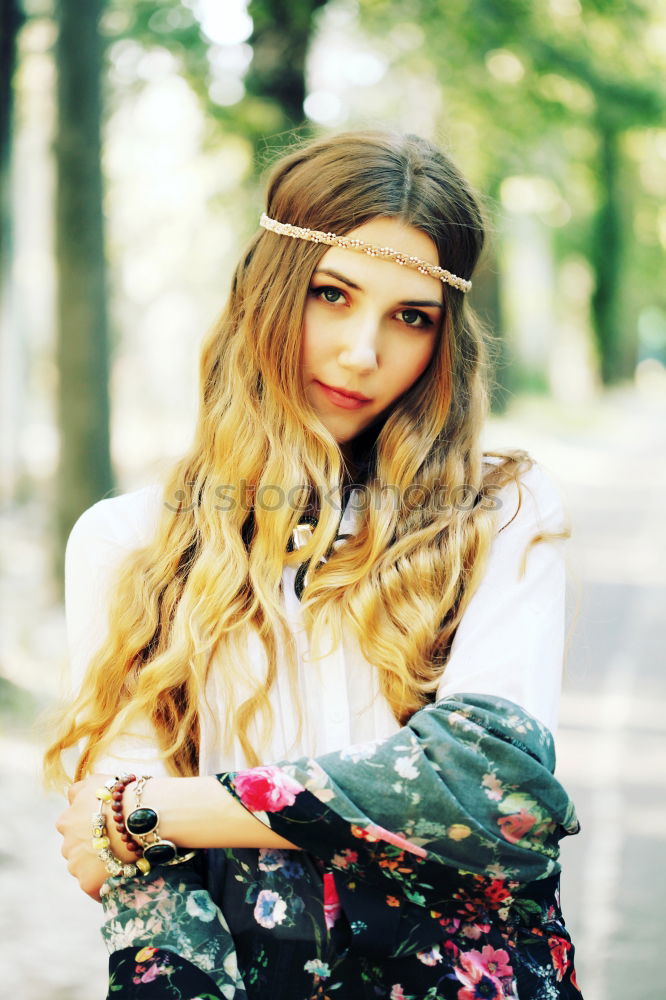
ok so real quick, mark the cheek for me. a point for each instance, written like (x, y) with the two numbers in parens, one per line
(413, 363)
(314, 340)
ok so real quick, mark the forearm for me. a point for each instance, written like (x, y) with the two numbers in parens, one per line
(198, 813)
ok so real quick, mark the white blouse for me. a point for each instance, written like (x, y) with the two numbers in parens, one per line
(509, 643)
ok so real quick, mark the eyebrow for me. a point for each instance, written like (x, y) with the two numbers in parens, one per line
(347, 281)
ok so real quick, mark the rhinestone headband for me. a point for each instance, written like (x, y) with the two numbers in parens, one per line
(348, 243)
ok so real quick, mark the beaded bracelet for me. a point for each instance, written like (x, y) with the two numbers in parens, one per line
(143, 822)
(102, 844)
(117, 811)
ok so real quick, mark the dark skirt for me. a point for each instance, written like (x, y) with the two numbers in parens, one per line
(299, 932)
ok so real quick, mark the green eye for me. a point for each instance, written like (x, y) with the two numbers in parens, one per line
(326, 293)
(413, 317)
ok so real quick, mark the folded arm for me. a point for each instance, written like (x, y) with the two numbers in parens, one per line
(467, 783)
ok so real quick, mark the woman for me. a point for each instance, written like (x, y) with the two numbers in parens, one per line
(344, 697)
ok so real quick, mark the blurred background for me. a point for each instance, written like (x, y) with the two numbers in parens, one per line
(134, 136)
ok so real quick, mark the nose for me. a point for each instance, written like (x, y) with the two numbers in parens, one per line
(358, 352)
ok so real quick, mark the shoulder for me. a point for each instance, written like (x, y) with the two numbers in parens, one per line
(116, 523)
(532, 503)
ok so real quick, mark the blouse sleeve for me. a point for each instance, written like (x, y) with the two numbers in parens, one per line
(468, 783)
(510, 640)
(100, 539)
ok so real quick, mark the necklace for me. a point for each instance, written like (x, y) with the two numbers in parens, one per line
(300, 536)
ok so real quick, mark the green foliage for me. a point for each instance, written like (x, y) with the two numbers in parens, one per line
(274, 82)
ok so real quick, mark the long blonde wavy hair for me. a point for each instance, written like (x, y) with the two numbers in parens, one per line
(403, 581)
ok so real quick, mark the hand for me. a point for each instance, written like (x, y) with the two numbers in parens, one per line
(75, 826)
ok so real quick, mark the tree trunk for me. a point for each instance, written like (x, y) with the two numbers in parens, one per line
(606, 259)
(11, 19)
(280, 41)
(84, 474)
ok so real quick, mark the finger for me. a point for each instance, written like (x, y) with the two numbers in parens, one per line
(78, 862)
(91, 887)
(70, 849)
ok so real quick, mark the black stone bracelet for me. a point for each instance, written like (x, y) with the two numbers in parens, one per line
(143, 822)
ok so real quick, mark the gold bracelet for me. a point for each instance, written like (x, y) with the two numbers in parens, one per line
(101, 842)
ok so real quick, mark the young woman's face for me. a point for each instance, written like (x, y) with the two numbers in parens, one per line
(371, 326)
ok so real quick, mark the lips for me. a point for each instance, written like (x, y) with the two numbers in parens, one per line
(346, 392)
(342, 400)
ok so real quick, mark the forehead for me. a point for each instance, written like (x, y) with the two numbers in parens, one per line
(376, 272)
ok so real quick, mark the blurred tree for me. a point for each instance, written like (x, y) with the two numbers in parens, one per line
(274, 82)
(84, 473)
(280, 40)
(626, 97)
(11, 19)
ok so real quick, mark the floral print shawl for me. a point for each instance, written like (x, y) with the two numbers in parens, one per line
(428, 869)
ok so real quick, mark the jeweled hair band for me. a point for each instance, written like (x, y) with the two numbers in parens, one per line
(348, 243)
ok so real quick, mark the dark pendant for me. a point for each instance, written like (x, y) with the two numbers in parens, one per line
(142, 821)
(161, 852)
(301, 572)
